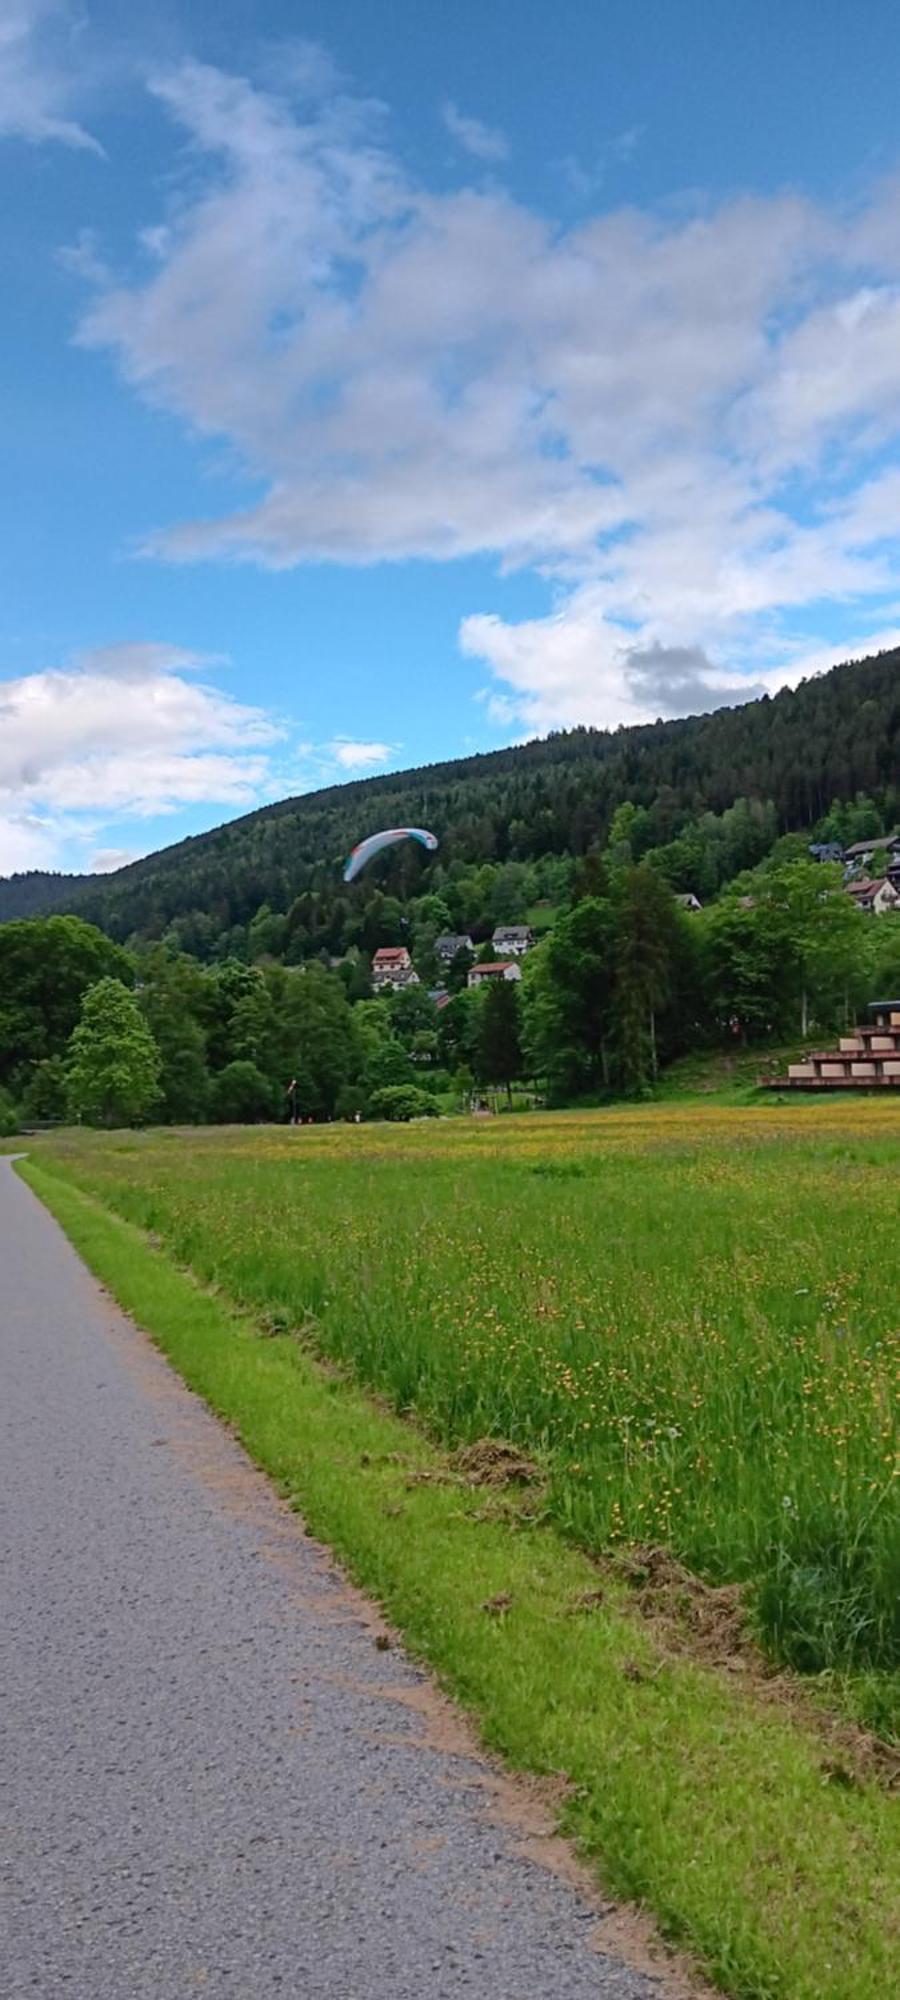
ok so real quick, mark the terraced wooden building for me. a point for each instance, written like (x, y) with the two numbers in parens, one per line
(867, 1059)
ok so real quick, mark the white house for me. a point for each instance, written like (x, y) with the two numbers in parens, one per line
(496, 968)
(392, 966)
(877, 897)
(512, 940)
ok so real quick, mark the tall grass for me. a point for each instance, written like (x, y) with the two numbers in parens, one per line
(692, 1316)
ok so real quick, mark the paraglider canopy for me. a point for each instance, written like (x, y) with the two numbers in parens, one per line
(390, 837)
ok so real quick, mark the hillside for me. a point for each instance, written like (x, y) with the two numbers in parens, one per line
(40, 891)
(830, 739)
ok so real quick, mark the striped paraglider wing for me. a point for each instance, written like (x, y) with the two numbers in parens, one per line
(389, 838)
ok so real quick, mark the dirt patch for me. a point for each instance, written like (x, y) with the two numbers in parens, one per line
(713, 1617)
(587, 1601)
(491, 1462)
(710, 1623)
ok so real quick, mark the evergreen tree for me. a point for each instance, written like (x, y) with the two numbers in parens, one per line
(646, 951)
(567, 1001)
(498, 1055)
(317, 1038)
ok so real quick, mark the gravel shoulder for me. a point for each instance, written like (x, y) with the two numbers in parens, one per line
(212, 1780)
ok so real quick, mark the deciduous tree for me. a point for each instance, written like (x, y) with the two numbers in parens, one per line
(112, 1072)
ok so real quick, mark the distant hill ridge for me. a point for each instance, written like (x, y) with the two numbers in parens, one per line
(833, 736)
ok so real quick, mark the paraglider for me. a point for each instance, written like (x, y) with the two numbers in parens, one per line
(377, 841)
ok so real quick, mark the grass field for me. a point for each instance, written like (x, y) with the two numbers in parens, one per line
(688, 1319)
(691, 1317)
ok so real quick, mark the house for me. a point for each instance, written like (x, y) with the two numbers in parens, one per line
(827, 850)
(689, 901)
(446, 948)
(392, 966)
(875, 897)
(859, 890)
(860, 854)
(885, 896)
(496, 968)
(512, 940)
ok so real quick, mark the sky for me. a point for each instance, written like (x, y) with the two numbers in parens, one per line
(385, 383)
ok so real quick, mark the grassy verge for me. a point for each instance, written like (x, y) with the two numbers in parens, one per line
(717, 1813)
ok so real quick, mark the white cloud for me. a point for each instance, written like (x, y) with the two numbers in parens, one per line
(586, 182)
(352, 756)
(579, 662)
(125, 732)
(38, 72)
(302, 68)
(27, 841)
(482, 141)
(105, 860)
(687, 421)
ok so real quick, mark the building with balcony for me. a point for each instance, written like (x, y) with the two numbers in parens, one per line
(866, 1059)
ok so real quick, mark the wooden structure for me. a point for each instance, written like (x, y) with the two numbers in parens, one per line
(867, 1059)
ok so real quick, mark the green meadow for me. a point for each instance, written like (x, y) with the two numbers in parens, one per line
(689, 1316)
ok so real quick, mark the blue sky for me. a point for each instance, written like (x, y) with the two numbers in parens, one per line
(384, 382)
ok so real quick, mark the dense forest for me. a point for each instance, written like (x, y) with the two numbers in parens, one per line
(704, 798)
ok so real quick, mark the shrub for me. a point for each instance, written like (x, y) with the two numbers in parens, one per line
(351, 1102)
(401, 1101)
(241, 1095)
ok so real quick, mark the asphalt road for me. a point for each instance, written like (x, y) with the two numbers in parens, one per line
(211, 1780)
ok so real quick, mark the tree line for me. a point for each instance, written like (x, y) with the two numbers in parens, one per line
(626, 980)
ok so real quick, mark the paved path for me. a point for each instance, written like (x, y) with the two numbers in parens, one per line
(211, 1781)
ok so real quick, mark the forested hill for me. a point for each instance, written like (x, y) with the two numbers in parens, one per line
(39, 892)
(833, 737)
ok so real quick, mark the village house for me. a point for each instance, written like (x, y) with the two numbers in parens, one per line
(496, 968)
(446, 948)
(875, 898)
(512, 940)
(827, 850)
(392, 966)
(689, 901)
(860, 854)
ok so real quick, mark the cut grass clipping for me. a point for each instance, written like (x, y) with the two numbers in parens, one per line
(722, 1815)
